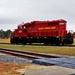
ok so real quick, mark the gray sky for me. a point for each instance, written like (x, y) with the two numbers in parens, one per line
(13, 12)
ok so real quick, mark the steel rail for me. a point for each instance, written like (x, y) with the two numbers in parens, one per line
(27, 54)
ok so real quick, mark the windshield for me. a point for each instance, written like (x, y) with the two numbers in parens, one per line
(20, 27)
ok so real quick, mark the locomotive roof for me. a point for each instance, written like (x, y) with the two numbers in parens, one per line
(60, 20)
(29, 23)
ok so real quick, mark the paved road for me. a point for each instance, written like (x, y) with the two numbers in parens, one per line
(55, 70)
(64, 62)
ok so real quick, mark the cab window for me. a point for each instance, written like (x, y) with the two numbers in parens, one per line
(20, 28)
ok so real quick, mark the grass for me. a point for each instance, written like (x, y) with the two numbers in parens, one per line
(43, 49)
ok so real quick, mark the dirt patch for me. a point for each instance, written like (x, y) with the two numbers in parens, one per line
(10, 68)
(19, 69)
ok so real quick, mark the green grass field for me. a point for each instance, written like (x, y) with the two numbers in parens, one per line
(70, 51)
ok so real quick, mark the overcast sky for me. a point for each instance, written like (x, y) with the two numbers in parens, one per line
(13, 12)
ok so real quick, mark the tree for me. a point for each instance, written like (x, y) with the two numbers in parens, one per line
(1, 33)
(5, 34)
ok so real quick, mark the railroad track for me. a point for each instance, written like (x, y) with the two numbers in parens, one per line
(36, 58)
(27, 54)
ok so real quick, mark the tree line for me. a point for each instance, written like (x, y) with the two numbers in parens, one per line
(5, 34)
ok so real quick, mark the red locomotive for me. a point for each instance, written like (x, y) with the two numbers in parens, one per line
(47, 32)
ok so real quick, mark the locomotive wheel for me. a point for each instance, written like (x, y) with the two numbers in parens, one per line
(23, 41)
(16, 41)
(45, 43)
(12, 42)
(51, 44)
(57, 43)
(63, 44)
(30, 43)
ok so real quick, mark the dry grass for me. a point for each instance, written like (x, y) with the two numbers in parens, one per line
(10, 69)
(5, 40)
(74, 40)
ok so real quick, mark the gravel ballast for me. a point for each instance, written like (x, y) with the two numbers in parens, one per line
(13, 59)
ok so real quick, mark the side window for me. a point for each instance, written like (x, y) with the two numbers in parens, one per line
(20, 28)
(61, 23)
